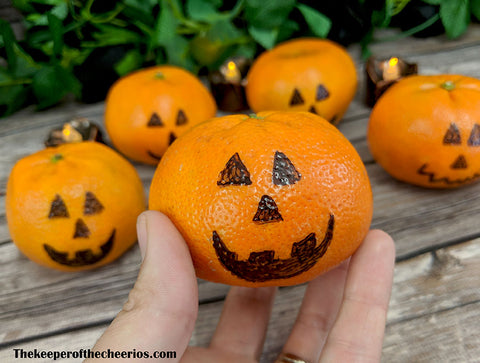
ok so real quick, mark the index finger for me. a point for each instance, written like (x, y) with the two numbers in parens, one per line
(357, 334)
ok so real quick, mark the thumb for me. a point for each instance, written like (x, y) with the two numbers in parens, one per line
(162, 307)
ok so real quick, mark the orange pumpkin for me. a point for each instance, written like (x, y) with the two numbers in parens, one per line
(147, 110)
(425, 130)
(74, 207)
(272, 199)
(313, 75)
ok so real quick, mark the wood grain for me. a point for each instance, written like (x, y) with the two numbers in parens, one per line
(435, 299)
(434, 309)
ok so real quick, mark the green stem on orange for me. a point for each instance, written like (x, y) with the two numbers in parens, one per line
(448, 85)
(159, 75)
(55, 158)
(254, 115)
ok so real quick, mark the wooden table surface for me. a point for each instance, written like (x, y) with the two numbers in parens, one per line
(434, 313)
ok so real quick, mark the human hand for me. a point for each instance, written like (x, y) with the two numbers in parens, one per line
(341, 319)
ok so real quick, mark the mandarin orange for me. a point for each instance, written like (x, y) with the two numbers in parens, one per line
(425, 130)
(74, 207)
(270, 199)
(147, 110)
(305, 74)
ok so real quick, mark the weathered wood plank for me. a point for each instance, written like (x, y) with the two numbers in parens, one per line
(433, 313)
(446, 336)
(420, 218)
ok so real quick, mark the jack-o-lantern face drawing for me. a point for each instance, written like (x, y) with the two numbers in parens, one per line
(425, 130)
(155, 123)
(271, 199)
(74, 207)
(83, 256)
(148, 109)
(453, 138)
(303, 75)
(321, 94)
(262, 265)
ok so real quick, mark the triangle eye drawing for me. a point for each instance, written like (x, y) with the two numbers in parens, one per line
(155, 121)
(58, 208)
(322, 93)
(452, 136)
(234, 173)
(284, 172)
(296, 98)
(474, 139)
(92, 204)
(181, 118)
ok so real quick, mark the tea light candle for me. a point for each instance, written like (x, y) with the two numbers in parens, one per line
(231, 72)
(391, 69)
(228, 84)
(383, 73)
(77, 130)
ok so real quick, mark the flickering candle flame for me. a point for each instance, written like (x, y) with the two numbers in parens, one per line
(391, 69)
(231, 72)
(383, 73)
(70, 134)
(227, 84)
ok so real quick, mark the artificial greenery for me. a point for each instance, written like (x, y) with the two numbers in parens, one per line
(80, 47)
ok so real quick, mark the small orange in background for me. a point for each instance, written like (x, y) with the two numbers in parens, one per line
(147, 110)
(74, 207)
(305, 74)
(270, 199)
(425, 130)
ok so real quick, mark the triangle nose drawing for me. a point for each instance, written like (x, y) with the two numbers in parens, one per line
(267, 211)
(459, 163)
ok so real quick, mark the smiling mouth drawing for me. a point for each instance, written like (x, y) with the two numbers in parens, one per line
(155, 156)
(262, 266)
(82, 257)
(432, 178)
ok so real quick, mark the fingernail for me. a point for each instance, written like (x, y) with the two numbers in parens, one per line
(142, 234)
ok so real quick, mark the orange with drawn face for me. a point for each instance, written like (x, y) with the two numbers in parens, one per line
(74, 207)
(272, 199)
(425, 130)
(147, 110)
(305, 74)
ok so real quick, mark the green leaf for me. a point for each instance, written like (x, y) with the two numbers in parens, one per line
(143, 5)
(131, 60)
(166, 26)
(433, 2)
(10, 42)
(25, 66)
(287, 29)
(246, 50)
(318, 23)
(178, 53)
(267, 14)
(398, 6)
(20, 64)
(17, 96)
(455, 17)
(60, 11)
(112, 35)
(202, 10)
(12, 94)
(52, 83)
(56, 30)
(223, 31)
(265, 37)
(140, 10)
(475, 8)
(23, 5)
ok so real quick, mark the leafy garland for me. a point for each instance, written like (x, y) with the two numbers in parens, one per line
(64, 38)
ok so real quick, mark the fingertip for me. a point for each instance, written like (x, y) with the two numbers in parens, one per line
(383, 242)
(142, 234)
